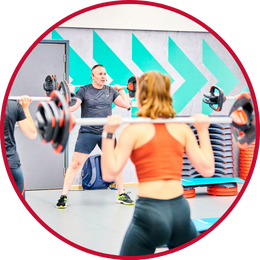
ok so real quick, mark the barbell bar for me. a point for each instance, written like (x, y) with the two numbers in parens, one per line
(44, 98)
(188, 120)
(54, 121)
(78, 86)
(228, 97)
(131, 86)
(33, 98)
(51, 84)
(63, 88)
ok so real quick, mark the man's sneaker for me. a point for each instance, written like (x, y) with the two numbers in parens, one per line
(62, 202)
(124, 199)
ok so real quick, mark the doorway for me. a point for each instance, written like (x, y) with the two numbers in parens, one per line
(42, 168)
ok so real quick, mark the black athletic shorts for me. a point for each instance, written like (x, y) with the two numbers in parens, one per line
(87, 141)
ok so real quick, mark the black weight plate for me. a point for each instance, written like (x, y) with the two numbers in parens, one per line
(55, 120)
(50, 84)
(63, 135)
(64, 90)
(73, 99)
(43, 121)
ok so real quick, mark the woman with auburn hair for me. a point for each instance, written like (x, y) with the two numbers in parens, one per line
(162, 214)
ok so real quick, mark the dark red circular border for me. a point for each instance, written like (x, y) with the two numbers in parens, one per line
(124, 3)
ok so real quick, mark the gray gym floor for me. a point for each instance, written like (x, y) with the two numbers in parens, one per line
(93, 219)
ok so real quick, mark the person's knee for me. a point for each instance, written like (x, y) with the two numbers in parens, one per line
(75, 164)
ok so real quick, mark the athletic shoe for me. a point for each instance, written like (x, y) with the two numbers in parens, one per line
(124, 199)
(62, 202)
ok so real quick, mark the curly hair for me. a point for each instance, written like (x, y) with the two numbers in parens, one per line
(154, 96)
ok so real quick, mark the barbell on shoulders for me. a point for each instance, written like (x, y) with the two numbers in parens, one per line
(54, 121)
(131, 86)
(51, 84)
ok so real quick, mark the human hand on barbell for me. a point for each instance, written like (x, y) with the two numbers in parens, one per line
(116, 87)
(202, 122)
(113, 122)
(25, 101)
(71, 88)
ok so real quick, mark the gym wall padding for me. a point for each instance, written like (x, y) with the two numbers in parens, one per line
(193, 60)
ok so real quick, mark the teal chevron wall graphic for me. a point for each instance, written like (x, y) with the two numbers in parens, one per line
(197, 78)
(79, 71)
(194, 80)
(245, 89)
(144, 59)
(115, 68)
(125, 53)
(226, 79)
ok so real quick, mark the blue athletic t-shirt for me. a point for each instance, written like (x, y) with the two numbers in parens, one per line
(96, 103)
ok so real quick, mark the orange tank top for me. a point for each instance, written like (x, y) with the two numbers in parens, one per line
(161, 158)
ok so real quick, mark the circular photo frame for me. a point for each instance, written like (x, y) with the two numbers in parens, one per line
(127, 40)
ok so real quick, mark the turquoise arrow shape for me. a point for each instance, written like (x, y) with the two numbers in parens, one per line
(226, 79)
(194, 80)
(115, 68)
(79, 71)
(245, 89)
(144, 59)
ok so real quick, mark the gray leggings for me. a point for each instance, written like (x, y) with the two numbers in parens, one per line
(156, 223)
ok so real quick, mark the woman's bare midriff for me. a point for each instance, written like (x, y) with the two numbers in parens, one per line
(163, 189)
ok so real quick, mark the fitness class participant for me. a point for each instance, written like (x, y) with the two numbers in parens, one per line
(17, 112)
(162, 214)
(96, 101)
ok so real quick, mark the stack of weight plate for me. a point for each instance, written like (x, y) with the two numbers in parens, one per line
(221, 141)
